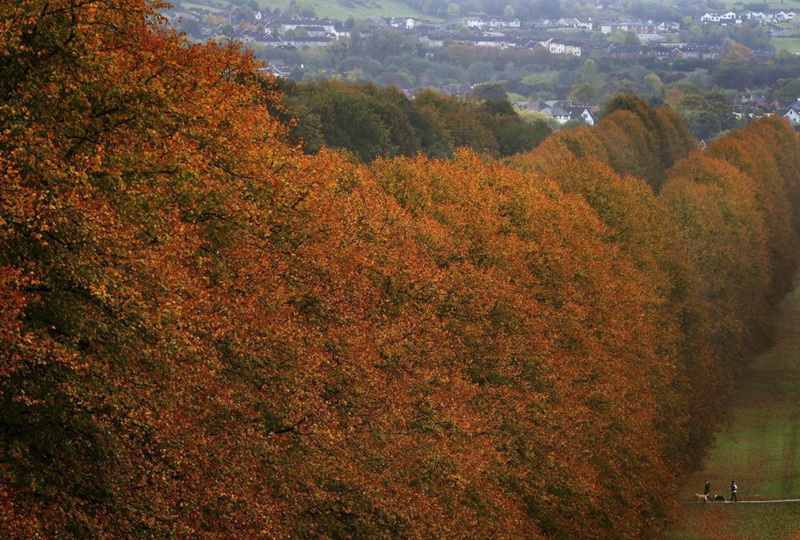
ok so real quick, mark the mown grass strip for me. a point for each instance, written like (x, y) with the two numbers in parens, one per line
(758, 447)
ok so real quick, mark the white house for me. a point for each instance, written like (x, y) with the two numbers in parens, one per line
(568, 23)
(501, 23)
(489, 40)
(721, 18)
(557, 113)
(472, 22)
(637, 27)
(562, 47)
(582, 113)
(405, 23)
(792, 116)
(317, 27)
(426, 40)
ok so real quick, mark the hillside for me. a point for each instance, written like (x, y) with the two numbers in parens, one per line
(336, 9)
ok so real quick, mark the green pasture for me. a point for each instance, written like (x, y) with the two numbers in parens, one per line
(334, 9)
(189, 5)
(779, 521)
(759, 447)
(790, 44)
(345, 9)
(738, 5)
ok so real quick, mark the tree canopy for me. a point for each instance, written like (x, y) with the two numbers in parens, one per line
(205, 331)
(371, 121)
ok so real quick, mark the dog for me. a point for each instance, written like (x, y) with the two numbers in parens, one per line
(701, 497)
(719, 498)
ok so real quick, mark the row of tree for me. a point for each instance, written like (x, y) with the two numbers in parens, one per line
(206, 331)
(730, 213)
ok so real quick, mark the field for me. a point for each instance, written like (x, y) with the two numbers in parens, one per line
(791, 44)
(189, 5)
(738, 522)
(338, 9)
(357, 9)
(785, 5)
(759, 447)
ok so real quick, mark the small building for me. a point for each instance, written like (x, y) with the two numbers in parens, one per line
(792, 116)
(581, 113)
(572, 48)
(557, 113)
(472, 22)
(642, 29)
(503, 23)
(403, 23)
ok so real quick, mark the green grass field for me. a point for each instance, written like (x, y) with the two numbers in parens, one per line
(189, 5)
(791, 44)
(785, 5)
(738, 522)
(345, 9)
(759, 447)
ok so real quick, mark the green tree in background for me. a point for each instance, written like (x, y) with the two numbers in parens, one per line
(372, 121)
(492, 91)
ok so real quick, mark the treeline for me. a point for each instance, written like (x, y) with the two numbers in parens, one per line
(371, 121)
(206, 332)
(718, 238)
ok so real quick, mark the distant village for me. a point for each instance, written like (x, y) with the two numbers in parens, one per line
(562, 36)
(656, 38)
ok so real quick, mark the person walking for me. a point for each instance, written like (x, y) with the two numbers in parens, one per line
(734, 489)
(707, 489)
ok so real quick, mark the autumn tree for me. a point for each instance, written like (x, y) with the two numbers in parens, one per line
(666, 140)
(125, 152)
(205, 331)
(751, 156)
(716, 208)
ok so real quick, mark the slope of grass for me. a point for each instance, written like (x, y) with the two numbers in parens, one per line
(344, 9)
(190, 5)
(790, 44)
(738, 522)
(759, 447)
(738, 5)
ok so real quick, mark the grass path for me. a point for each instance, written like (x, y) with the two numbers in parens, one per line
(759, 447)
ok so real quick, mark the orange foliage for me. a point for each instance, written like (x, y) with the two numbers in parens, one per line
(752, 156)
(631, 137)
(716, 209)
(634, 146)
(204, 332)
(563, 146)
